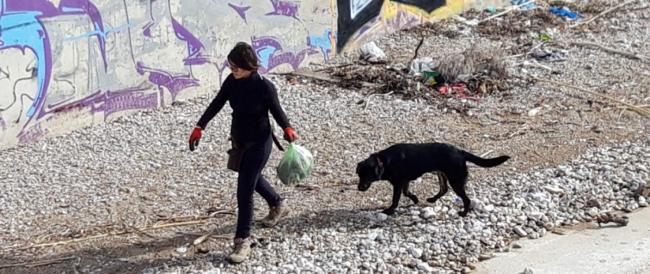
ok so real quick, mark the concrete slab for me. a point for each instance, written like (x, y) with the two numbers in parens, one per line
(607, 250)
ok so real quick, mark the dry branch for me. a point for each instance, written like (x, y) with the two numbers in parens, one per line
(641, 111)
(38, 263)
(104, 235)
(603, 13)
(611, 50)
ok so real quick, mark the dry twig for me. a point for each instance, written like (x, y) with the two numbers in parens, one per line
(641, 111)
(505, 12)
(611, 50)
(38, 263)
(417, 49)
(104, 235)
(603, 13)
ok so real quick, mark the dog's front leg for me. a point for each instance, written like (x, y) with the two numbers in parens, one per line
(397, 193)
(407, 193)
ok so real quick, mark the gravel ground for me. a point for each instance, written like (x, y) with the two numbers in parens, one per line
(570, 155)
(434, 239)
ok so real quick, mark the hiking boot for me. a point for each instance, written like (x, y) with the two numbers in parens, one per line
(275, 215)
(242, 250)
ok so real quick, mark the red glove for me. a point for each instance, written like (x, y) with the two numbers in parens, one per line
(290, 135)
(194, 138)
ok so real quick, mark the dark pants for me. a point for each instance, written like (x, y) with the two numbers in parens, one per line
(250, 180)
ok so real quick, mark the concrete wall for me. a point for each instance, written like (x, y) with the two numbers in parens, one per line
(66, 64)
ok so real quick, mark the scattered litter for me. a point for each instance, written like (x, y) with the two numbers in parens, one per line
(372, 53)
(432, 78)
(534, 111)
(564, 12)
(201, 239)
(421, 65)
(491, 9)
(471, 22)
(544, 37)
(182, 249)
(457, 89)
(550, 55)
(603, 13)
(524, 4)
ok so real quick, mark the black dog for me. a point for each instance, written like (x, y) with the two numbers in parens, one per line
(402, 163)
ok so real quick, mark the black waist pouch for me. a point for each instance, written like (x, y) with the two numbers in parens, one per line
(236, 154)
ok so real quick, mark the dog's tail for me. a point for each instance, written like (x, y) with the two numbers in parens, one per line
(491, 162)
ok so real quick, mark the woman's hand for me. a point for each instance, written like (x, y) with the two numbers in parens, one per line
(194, 138)
(290, 135)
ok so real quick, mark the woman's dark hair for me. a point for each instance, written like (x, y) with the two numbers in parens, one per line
(243, 56)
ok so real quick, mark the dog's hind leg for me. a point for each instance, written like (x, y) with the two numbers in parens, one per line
(407, 193)
(458, 185)
(397, 193)
(442, 183)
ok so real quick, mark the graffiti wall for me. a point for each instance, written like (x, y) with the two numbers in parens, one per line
(66, 64)
(360, 21)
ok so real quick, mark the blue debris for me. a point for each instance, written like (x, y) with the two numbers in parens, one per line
(565, 12)
(528, 6)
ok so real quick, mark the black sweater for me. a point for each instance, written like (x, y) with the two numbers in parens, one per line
(251, 99)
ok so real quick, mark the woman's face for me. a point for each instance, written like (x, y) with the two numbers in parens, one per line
(238, 72)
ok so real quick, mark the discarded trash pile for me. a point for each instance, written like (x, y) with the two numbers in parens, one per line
(464, 75)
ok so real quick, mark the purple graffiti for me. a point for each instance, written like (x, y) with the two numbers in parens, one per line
(270, 52)
(195, 56)
(221, 68)
(32, 134)
(146, 29)
(241, 10)
(109, 102)
(174, 83)
(21, 27)
(284, 8)
(403, 20)
(118, 102)
(194, 45)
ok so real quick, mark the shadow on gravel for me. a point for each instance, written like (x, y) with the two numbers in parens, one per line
(143, 252)
(119, 258)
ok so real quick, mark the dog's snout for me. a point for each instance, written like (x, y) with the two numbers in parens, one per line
(363, 186)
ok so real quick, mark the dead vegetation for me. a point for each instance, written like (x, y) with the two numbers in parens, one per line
(482, 70)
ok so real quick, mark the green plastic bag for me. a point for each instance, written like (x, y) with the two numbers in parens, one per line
(296, 165)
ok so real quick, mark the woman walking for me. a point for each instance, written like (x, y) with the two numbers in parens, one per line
(251, 98)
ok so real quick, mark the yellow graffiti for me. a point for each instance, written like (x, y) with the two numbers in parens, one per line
(395, 16)
(391, 9)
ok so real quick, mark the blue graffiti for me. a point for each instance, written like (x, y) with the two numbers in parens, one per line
(323, 42)
(20, 27)
(24, 31)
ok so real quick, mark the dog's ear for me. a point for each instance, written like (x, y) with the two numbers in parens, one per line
(376, 167)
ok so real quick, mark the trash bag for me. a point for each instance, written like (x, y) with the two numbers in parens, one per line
(296, 165)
